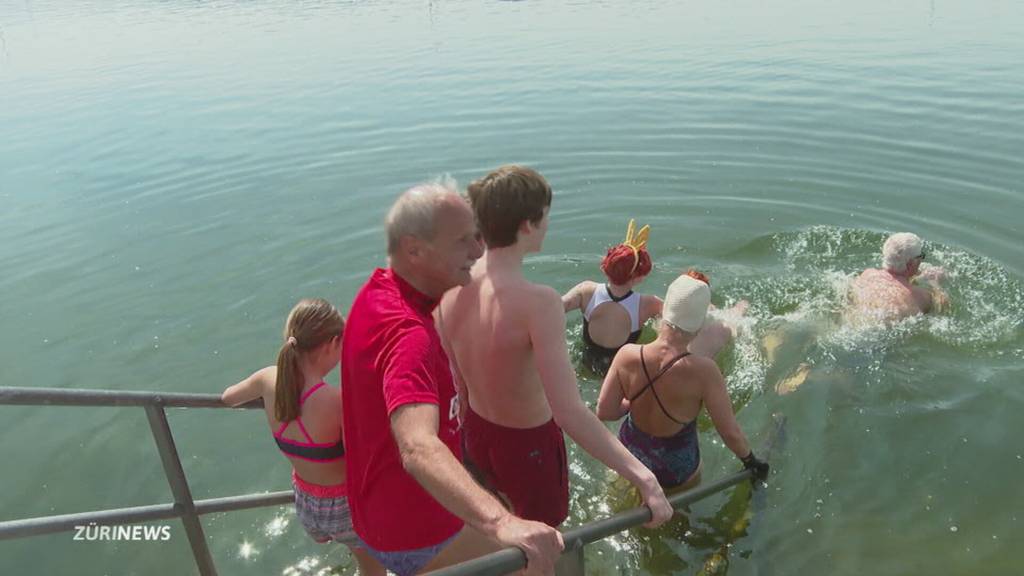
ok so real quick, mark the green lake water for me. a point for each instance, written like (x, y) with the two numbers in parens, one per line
(175, 175)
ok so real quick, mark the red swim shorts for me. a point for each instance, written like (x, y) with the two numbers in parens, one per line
(527, 466)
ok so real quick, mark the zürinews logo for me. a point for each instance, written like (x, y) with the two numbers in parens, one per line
(93, 532)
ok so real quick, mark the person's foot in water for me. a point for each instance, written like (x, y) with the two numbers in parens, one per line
(771, 343)
(791, 383)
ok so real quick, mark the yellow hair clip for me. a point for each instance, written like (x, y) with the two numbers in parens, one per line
(637, 241)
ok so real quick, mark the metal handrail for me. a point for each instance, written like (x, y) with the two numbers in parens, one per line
(183, 507)
(571, 562)
(24, 396)
(189, 510)
(511, 559)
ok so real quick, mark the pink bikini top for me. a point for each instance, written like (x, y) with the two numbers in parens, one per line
(312, 451)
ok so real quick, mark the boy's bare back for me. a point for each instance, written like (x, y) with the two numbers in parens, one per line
(487, 325)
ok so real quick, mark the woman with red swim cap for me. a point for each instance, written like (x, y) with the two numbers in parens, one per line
(613, 314)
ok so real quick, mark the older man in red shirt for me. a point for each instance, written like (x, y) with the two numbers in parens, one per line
(413, 504)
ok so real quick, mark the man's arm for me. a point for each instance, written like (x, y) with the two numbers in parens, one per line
(433, 465)
(546, 325)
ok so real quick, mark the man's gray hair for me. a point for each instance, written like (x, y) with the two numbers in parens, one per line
(899, 249)
(413, 214)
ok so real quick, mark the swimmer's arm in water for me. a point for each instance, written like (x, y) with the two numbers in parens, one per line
(719, 405)
(253, 387)
(932, 275)
(650, 307)
(928, 290)
(612, 403)
(573, 299)
(935, 298)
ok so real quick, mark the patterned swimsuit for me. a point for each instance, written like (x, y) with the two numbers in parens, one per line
(672, 459)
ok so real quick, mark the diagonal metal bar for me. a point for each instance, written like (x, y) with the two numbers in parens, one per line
(179, 488)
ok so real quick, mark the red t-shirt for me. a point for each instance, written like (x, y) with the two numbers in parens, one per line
(391, 355)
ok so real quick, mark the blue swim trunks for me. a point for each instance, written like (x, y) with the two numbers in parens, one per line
(406, 562)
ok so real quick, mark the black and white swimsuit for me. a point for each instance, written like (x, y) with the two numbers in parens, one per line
(630, 301)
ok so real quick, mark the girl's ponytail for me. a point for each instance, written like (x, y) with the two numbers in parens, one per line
(310, 324)
(289, 382)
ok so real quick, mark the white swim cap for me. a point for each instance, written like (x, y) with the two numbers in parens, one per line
(899, 249)
(686, 303)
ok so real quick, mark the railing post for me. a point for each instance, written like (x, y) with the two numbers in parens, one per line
(570, 563)
(179, 489)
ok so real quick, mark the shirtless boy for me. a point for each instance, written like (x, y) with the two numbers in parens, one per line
(517, 387)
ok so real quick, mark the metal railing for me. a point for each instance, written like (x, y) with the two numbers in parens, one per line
(189, 510)
(183, 507)
(571, 562)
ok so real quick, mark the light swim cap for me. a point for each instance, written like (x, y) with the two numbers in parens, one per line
(686, 303)
(899, 249)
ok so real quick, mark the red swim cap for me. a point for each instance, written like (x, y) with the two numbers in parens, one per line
(621, 264)
(698, 275)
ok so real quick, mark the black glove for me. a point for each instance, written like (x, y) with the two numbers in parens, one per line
(758, 467)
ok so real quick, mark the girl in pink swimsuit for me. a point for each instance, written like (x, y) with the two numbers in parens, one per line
(304, 415)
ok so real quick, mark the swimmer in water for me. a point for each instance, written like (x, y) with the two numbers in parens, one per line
(613, 314)
(662, 387)
(901, 288)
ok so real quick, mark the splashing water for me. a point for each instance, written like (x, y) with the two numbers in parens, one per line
(806, 289)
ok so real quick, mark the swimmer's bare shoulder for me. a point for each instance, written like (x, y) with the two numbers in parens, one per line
(704, 370)
(326, 409)
(870, 275)
(700, 365)
(865, 284)
(544, 319)
(543, 294)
